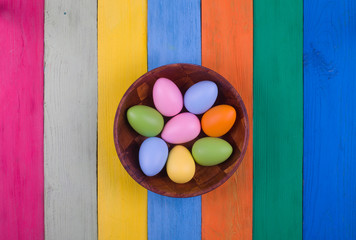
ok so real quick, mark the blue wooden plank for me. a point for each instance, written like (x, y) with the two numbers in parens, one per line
(174, 36)
(329, 207)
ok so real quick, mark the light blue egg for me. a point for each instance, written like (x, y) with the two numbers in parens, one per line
(153, 155)
(200, 97)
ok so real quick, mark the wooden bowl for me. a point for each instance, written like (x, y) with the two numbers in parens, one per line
(127, 141)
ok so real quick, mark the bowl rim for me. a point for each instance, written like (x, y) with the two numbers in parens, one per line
(180, 195)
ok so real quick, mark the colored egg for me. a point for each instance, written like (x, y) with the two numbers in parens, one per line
(153, 155)
(180, 165)
(211, 151)
(218, 120)
(200, 97)
(145, 120)
(167, 97)
(181, 129)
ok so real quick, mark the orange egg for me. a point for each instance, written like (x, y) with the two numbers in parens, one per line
(218, 120)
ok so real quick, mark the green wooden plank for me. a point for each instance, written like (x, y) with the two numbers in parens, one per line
(278, 119)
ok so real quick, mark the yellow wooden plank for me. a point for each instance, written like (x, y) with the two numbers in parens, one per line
(122, 58)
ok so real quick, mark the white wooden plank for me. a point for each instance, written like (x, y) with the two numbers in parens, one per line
(70, 122)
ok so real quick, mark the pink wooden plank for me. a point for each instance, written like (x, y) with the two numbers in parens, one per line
(21, 119)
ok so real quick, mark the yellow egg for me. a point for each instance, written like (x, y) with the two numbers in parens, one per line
(180, 165)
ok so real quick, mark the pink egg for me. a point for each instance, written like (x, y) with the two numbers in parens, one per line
(167, 97)
(181, 129)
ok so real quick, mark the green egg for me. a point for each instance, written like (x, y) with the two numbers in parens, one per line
(210, 151)
(145, 120)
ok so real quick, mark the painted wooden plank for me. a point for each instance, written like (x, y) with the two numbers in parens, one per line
(329, 197)
(278, 119)
(173, 36)
(70, 119)
(21, 119)
(122, 58)
(227, 40)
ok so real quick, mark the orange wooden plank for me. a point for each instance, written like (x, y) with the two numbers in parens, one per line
(227, 47)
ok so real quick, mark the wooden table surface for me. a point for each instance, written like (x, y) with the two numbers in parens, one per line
(65, 64)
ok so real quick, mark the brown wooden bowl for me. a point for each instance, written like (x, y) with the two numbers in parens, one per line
(127, 141)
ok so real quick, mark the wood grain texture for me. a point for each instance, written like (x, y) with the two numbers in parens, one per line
(122, 58)
(173, 36)
(278, 119)
(227, 40)
(70, 119)
(21, 120)
(329, 197)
